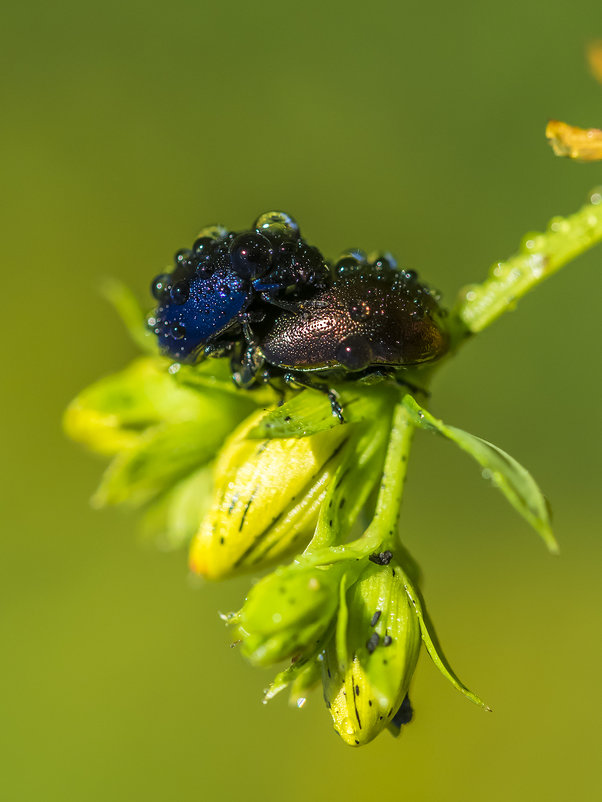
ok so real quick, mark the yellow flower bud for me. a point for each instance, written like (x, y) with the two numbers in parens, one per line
(369, 665)
(266, 499)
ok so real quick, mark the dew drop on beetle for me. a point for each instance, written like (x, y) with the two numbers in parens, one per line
(250, 254)
(277, 224)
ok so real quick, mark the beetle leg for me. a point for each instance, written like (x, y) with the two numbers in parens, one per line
(254, 316)
(248, 367)
(288, 306)
(218, 350)
(333, 396)
(413, 388)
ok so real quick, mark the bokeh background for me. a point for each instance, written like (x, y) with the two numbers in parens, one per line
(415, 128)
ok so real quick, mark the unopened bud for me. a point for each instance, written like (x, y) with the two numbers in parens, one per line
(368, 667)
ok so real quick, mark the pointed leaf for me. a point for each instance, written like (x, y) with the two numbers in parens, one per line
(514, 481)
(431, 641)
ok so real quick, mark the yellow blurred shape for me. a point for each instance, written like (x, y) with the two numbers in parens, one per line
(594, 59)
(583, 144)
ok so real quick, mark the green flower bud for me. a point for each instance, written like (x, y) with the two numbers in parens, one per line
(369, 665)
(287, 611)
(112, 414)
(158, 430)
(266, 499)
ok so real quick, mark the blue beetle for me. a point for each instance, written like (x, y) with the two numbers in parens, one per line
(227, 280)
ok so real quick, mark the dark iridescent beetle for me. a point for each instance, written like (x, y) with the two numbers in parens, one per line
(228, 279)
(279, 310)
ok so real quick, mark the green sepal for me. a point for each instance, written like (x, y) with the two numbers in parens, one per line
(309, 411)
(287, 612)
(172, 519)
(166, 453)
(303, 673)
(216, 374)
(125, 303)
(429, 635)
(354, 480)
(514, 481)
(113, 413)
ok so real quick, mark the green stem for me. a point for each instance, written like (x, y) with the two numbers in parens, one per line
(540, 256)
(388, 506)
(381, 533)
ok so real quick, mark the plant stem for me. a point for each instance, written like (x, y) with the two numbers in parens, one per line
(540, 256)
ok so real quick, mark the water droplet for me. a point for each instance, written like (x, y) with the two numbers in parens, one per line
(532, 241)
(537, 263)
(558, 225)
(179, 292)
(214, 232)
(250, 255)
(178, 331)
(160, 286)
(301, 701)
(595, 197)
(183, 255)
(471, 295)
(173, 369)
(498, 270)
(277, 224)
(203, 246)
(383, 262)
(350, 261)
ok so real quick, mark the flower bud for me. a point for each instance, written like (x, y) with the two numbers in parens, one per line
(158, 431)
(368, 667)
(266, 499)
(287, 611)
(113, 413)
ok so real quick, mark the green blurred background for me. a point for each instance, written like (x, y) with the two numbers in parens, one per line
(127, 126)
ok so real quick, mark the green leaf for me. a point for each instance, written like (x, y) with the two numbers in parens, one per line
(514, 481)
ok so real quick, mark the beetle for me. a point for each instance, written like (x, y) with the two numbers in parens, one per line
(278, 309)
(369, 322)
(229, 278)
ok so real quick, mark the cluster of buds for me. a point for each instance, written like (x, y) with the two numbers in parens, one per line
(250, 485)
